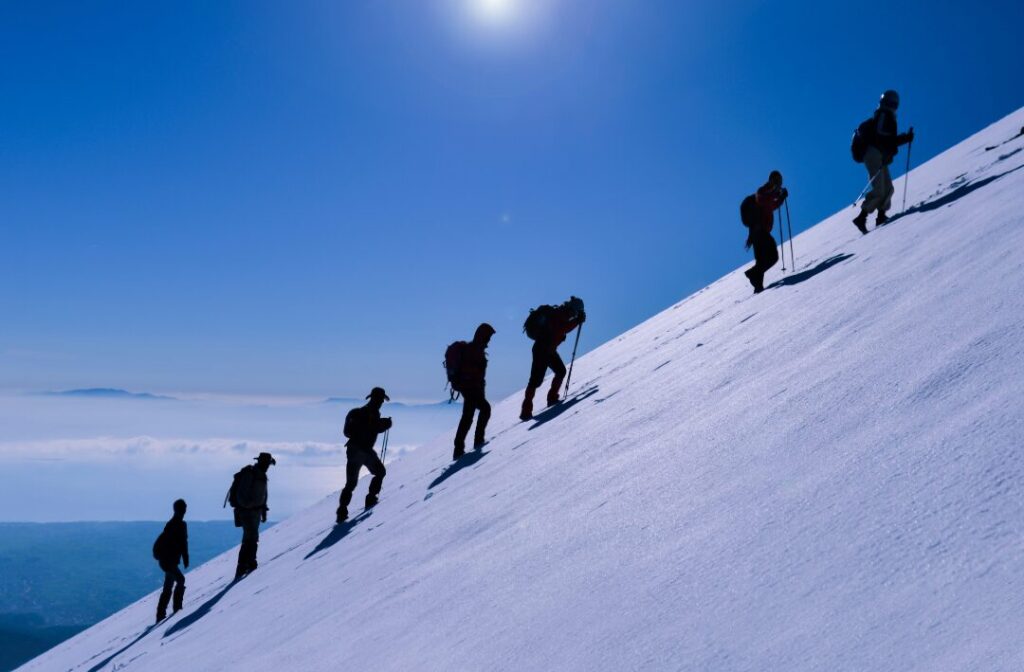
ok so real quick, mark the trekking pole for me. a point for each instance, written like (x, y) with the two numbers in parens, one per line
(384, 448)
(573, 361)
(782, 241)
(866, 187)
(906, 175)
(789, 225)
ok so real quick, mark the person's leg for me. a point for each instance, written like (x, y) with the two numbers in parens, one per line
(766, 255)
(352, 467)
(465, 422)
(250, 542)
(165, 594)
(376, 468)
(179, 588)
(538, 368)
(556, 364)
(887, 190)
(481, 421)
(874, 164)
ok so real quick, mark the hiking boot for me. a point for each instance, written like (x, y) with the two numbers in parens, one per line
(881, 219)
(371, 501)
(553, 398)
(861, 222)
(756, 279)
(527, 411)
(458, 452)
(179, 597)
(479, 443)
(342, 515)
(160, 615)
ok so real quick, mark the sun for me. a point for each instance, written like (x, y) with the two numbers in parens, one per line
(494, 11)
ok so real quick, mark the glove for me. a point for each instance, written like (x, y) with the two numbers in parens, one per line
(582, 317)
(386, 423)
(186, 562)
(909, 135)
(784, 193)
(263, 514)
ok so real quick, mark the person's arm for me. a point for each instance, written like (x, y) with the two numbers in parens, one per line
(184, 543)
(905, 138)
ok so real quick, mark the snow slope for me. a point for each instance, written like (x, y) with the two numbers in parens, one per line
(823, 477)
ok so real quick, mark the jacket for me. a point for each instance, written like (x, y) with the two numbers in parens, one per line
(362, 425)
(174, 542)
(885, 136)
(768, 201)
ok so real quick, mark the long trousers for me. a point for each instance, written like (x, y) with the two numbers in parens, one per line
(472, 402)
(357, 459)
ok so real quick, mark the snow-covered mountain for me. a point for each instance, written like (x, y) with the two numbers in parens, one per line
(826, 476)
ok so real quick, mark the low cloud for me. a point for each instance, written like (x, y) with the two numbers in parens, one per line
(146, 447)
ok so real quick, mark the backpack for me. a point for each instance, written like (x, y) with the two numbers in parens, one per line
(862, 138)
(453, 365)
(749, 212)
(160, 547)
(352, 420)
(536, 324)
(241, 481)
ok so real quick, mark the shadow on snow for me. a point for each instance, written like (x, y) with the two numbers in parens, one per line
(200, 612)
(467, 460)
(554, 411)
(803, 276)
(953, 196)
(103, 663)
(337, 533)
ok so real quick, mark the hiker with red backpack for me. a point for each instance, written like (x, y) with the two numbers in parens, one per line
(248, 497)
(168, 549)
(874, 144)
(362, 425)
(548, 326)
(757, 213)
(466, 366)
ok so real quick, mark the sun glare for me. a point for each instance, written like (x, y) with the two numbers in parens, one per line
(494, 11)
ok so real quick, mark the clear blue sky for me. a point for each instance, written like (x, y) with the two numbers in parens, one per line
(315, 197)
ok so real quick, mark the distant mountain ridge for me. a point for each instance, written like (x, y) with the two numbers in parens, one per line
(107, 393)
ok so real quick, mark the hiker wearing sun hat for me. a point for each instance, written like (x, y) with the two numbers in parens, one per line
(248, 497)
(362, 425)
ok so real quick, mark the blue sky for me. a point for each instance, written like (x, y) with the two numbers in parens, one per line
(312, 198)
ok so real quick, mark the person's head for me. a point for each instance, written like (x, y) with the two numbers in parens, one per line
(483, 334)
(775, 179)
(377, 397)
(264, 460)
(890, 100)
(575, 305)
(179, 508)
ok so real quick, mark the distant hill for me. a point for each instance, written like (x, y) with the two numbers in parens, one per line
(107, 393)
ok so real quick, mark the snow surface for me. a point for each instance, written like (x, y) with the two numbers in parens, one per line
(823, 477)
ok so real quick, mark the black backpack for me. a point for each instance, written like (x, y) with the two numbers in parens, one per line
(537, 322)
(160, 547)
(749, 212)
(453, 365)
(862, 138)
(244, 475)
